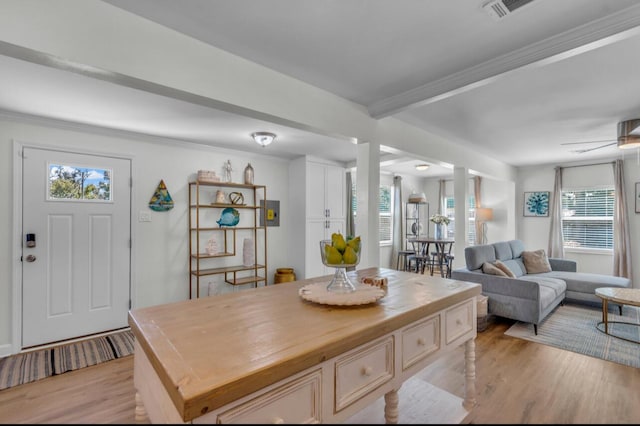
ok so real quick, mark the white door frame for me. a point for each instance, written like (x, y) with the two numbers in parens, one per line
(16, 299)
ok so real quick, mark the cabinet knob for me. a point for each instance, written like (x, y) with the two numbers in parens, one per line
(366, 371)
(458, 321)
(421, 341)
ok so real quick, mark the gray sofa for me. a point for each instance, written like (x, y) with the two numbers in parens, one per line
(530, 297)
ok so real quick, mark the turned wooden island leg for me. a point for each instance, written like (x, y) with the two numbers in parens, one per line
(391, 407)
(469, 374)
(141, 413)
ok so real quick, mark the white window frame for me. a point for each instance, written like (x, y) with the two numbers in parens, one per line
(471, 234)
(380, 214)
(588, 249)
(390, 214)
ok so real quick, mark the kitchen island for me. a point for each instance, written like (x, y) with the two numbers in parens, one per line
(265, 355)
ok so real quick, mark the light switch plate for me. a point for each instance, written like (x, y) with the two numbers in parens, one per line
(144, 216)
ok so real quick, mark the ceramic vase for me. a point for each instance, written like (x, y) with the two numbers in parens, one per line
(248, 252)
(248, 174)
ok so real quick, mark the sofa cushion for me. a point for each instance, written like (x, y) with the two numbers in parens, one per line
(516, 266)
(547, 284)
(517, 247)
(491, 269)
(503, 250)
(504, 268)
(536, 262)
(584, 282)
(475, 256)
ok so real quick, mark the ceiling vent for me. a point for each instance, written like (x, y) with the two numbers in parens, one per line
(499, 9)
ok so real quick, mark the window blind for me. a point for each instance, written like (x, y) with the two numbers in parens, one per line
(587, 218)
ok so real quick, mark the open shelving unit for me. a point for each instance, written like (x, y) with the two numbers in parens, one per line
(202, 226)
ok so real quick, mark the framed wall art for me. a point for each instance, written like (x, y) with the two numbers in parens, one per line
(536, 203)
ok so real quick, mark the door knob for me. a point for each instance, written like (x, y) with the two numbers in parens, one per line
(31, 258)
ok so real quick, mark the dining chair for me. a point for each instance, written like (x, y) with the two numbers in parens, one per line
(442, 260)
(421, 259)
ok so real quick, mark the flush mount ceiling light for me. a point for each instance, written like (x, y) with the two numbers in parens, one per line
(625, 139)
(422, 167)
(263, 138)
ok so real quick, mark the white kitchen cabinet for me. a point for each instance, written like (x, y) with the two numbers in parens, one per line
(318, 204)
(325, 191)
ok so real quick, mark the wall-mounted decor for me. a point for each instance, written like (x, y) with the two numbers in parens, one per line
(536, 203)
(637, 197)
(161, 200)
(273, 213)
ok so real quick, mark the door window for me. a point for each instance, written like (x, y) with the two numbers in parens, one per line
(78, 183)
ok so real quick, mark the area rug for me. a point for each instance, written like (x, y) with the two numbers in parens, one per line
(573, 327)
(30, 366)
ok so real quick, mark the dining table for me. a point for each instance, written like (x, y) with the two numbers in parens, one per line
(442, 246)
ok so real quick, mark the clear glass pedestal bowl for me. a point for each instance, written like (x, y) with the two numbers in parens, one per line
(340, 282)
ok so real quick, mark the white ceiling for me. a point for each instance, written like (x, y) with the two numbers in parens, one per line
(517, 88)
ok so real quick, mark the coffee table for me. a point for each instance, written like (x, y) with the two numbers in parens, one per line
(622, 296)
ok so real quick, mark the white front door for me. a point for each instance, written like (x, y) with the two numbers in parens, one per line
(75, 246)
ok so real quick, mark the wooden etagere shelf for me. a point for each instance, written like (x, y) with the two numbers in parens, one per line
(203, 214)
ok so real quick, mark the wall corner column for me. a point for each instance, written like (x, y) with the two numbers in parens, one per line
(461, 200)
(367, 195)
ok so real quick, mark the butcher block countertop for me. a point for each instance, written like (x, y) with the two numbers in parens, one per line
(210, 351)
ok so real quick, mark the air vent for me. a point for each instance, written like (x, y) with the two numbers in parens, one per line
(498, 9)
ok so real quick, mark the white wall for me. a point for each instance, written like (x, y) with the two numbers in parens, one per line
(534, 231)
(160, 247)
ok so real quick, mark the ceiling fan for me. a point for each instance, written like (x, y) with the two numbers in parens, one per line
(606, 142)
(625, 138)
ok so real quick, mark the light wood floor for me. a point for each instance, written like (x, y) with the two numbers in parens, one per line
(517, 382)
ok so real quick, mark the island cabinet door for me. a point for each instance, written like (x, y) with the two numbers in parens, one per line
(296, 401)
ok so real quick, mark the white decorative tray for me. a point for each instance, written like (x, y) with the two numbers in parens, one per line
(363, 295)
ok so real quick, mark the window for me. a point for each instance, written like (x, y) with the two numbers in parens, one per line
(450, 211)
(386, 219)
(587, 218)
(385, 212)
(78, 183)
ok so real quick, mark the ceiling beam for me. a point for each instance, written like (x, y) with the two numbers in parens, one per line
(601, 32)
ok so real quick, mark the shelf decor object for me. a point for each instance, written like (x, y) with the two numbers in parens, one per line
(248, 252)
(236, 198)
(208, 176)
(212, 246)
(340, 282)
(229, 217)
(248, 174)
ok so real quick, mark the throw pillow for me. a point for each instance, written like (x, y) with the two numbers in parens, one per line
(491, 269)
(536, 261)
(504, 268)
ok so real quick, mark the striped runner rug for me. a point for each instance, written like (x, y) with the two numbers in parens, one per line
(573, 327)
(35, 365)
